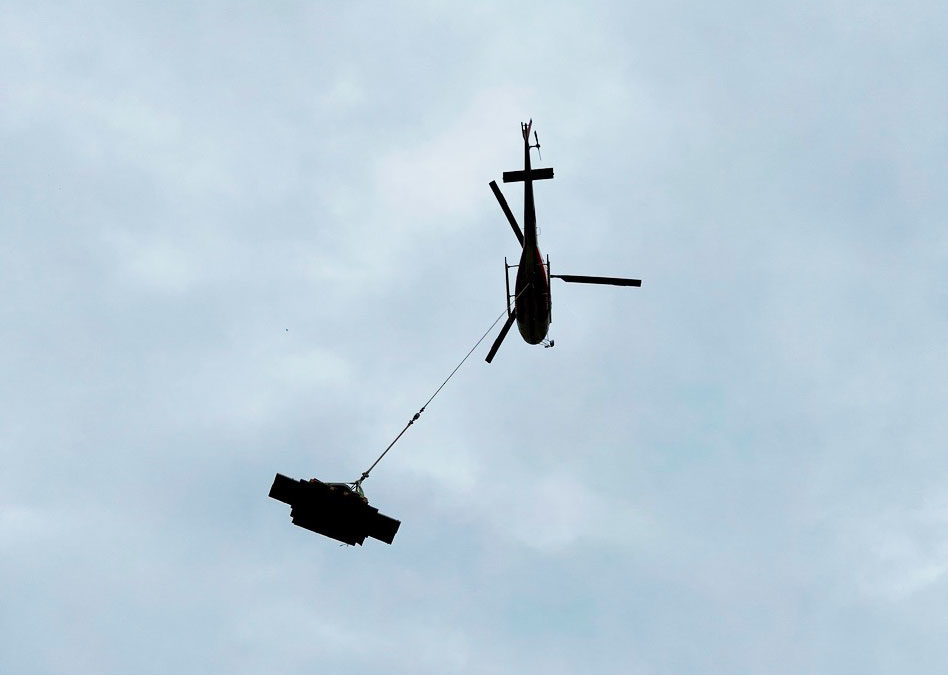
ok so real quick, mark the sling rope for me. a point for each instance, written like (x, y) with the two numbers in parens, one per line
(357, 485)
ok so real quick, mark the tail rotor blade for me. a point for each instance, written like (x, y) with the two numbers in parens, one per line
(610, 281)
(506, 210)
(500, 338)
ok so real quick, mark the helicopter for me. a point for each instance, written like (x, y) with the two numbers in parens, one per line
(532, 308)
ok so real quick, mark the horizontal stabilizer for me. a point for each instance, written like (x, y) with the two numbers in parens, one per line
(611, 281)
(534, 174)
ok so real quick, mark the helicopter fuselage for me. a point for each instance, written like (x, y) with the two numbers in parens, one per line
(532, 289)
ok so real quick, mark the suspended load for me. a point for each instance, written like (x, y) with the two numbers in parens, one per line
(335, 510)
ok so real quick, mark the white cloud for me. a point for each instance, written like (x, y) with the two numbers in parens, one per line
(155, 264)
(728, 464)
(899, 554)
(442, 180)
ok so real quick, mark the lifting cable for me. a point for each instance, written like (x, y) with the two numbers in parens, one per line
(357, 485)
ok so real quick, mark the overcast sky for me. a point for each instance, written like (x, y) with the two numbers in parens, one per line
(246, 238)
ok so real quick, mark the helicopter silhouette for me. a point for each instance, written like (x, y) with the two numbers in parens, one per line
(532, 308)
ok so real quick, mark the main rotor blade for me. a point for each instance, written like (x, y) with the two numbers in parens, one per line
(507, 212)
(500, 338)
(611, 281)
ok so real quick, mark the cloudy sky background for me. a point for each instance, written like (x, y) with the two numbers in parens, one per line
(237, 239)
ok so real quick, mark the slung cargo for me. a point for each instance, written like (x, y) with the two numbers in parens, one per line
(334, 510)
